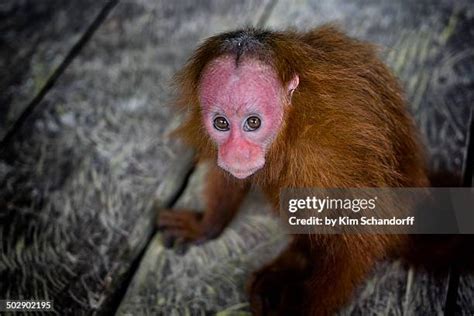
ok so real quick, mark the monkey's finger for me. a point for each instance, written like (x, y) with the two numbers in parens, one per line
(170, 220)
(173, 238)
(167, 214)
(185, 215)
(185, 234)
(186, 221)
(178, 215)
(168, 240)
(175, 226)
(181, 245)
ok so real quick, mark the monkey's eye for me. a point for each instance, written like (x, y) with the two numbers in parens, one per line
(252, 123)
(221, 124)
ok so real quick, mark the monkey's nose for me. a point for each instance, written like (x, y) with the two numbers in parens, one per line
(246, 153)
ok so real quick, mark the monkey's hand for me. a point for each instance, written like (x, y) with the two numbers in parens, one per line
(184, 227)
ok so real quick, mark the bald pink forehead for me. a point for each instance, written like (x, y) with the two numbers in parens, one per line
(224, 85)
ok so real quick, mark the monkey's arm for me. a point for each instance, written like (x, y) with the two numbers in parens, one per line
(223, 196)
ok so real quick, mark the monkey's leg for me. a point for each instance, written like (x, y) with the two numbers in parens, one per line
(311, 277)
(223, 197)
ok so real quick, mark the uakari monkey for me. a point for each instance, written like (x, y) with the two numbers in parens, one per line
(289, 109)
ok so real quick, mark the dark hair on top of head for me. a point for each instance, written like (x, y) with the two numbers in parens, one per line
(247, 41)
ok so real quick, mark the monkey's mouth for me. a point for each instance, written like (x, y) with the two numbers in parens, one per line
(242, 173)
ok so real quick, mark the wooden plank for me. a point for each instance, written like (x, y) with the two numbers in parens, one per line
(79, 179)
(35, 37)
(209, 278)
(465, 291)
(426, 44)
(465, 305)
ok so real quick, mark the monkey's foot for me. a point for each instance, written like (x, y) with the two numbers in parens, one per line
(180, 226)
(273, 291)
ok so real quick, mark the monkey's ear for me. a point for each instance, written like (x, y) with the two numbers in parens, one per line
(292, 85)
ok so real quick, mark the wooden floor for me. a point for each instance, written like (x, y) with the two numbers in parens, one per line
(86, 155)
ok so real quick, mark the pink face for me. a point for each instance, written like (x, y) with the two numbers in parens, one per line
(242, 111)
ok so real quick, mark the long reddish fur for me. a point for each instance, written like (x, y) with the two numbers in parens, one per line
(347, 127)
